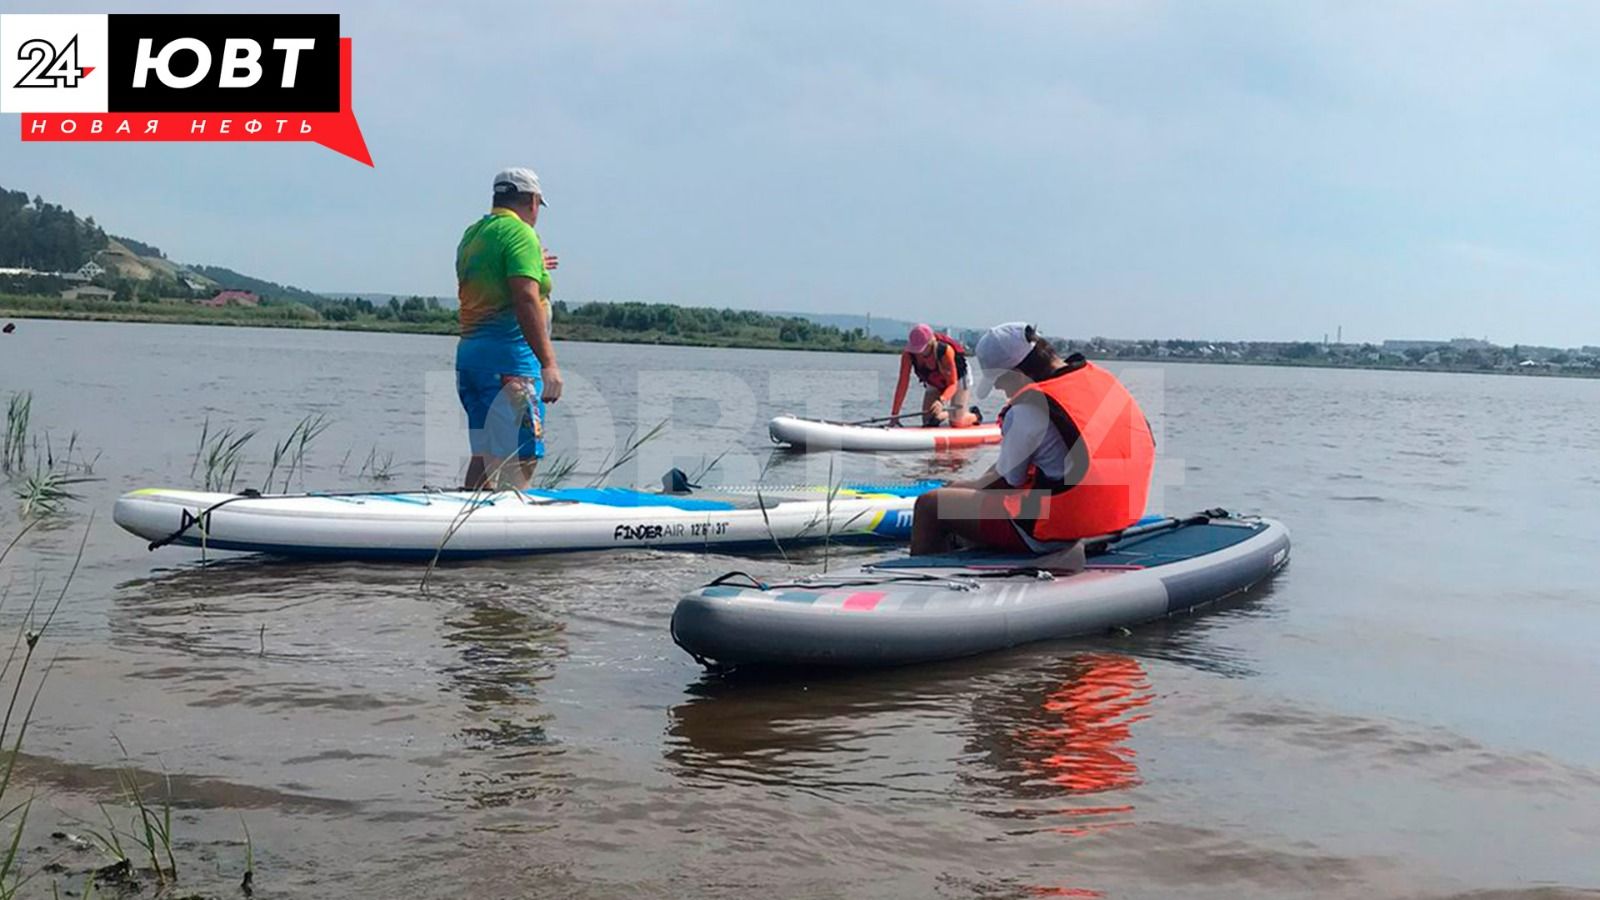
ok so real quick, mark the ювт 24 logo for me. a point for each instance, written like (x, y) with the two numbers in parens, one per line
(119, 77)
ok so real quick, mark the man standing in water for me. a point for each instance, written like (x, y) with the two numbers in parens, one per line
(505, 363)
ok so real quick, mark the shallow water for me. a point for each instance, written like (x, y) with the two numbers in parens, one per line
(1407, 710)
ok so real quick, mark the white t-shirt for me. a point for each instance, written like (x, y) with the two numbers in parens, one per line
(1029, 438)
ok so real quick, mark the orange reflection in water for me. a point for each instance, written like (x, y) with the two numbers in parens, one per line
(1082, 747)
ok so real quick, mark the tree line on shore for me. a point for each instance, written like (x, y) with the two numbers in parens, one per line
(43, 236)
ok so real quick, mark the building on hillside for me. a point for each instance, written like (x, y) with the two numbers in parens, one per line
(18, 271)
(90, 270)
(88, 292)
(234, 298)
(194, 284)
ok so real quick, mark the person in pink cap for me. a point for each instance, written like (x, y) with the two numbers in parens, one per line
(941, 365)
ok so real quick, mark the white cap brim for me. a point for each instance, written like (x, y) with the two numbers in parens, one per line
(985, 385)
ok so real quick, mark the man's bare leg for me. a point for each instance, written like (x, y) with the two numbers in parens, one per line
(476, 471)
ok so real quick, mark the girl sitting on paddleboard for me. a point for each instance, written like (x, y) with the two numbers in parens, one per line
(941, 365)
(1075, 456)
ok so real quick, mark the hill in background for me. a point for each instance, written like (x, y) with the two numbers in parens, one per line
(47, 238)
(893, 331)
(258, 286)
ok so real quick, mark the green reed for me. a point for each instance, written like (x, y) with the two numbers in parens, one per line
(292, 450)
(220, 454)
(48, 491)
(248, 882)
(825, 520)
(14, 724)
(377, 468)
(153, 828)
(14, 441)
(631, 446)
(557, 472)
(481, 494)
(707, 467)
(148, 831)
(761, 503)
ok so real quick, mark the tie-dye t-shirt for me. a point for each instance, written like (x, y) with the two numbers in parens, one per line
(494, 248)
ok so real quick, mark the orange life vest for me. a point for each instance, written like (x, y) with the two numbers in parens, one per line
(1117, 444)
(934, 376)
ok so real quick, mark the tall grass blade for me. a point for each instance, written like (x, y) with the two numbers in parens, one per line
(706, 468)
(47, 493)
(630, 449)
(200, 449)
(14, 442)
(28, 640)
(559, 470)
(311, 427)
(247, 883)
(761, 503)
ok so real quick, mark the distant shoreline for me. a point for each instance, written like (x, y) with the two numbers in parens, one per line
(252, 318)
(199, 318)
(233, 319)
(1365, 367)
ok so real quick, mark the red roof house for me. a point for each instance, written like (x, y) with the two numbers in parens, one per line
(237, 298)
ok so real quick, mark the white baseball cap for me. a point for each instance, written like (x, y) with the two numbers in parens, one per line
(1001, 349)
(519, 180)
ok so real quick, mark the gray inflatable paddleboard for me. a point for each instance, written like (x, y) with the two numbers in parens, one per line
(918, 609)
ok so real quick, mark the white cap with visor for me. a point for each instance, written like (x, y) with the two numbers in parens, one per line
(519, 181)
(1000, 350)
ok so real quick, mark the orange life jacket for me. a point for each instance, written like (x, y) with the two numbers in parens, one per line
(934, 376)
(1117, 444)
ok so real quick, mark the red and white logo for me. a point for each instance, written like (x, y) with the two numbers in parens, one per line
(267, 77)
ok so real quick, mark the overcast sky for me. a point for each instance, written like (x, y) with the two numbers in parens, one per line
(1259, 170)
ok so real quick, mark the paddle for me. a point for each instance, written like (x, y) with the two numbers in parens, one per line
(1099, 543)
(882, 419)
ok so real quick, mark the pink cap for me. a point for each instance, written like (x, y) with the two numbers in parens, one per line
(921, 337)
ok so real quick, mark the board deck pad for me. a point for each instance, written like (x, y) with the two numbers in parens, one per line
(1162, 547)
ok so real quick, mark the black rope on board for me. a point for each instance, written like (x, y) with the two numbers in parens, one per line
(203, 518)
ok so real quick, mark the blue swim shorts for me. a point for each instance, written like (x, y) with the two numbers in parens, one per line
(505, 414)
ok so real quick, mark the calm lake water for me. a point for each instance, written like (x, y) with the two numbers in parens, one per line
(1409, 710)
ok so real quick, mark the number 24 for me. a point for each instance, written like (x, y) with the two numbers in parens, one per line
(50, 69)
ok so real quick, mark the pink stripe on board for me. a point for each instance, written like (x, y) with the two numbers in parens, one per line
(863, 600)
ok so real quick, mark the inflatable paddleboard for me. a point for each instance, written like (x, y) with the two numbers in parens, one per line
(413, 525)
(918, 609)
(814, 434)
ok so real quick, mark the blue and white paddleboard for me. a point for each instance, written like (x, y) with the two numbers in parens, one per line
(414, 525)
